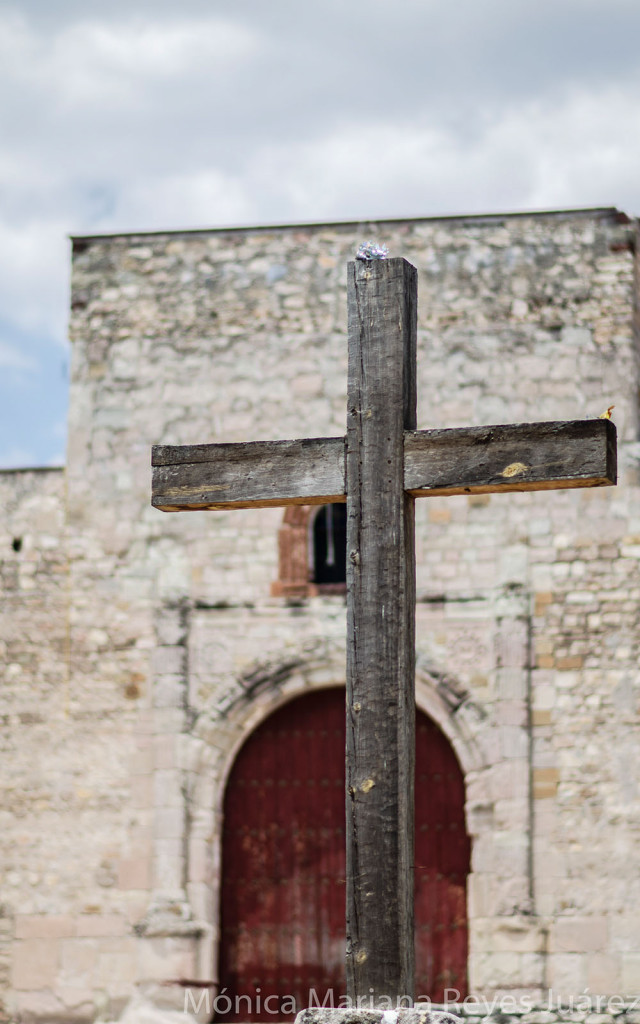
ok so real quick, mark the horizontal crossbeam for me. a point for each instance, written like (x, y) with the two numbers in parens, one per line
(518, 457)
(255, 474)
(465, 460)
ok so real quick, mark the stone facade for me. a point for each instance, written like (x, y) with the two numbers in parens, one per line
(140, 649)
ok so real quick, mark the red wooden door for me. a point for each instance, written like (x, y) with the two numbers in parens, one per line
(283, 864)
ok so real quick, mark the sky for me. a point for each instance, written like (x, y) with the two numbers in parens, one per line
(132, 115)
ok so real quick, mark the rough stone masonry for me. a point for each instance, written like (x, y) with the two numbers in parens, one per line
(140, 650)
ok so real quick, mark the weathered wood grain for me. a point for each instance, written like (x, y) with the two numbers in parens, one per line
(512, 457)
(466, 460)
(381, 405)
(258, 474)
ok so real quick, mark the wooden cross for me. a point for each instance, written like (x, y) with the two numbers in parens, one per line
(380, 467)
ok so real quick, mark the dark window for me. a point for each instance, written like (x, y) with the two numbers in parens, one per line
(330, 544)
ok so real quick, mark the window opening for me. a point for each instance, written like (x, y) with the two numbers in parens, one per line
(330, 544)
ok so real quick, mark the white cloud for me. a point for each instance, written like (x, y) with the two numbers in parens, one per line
(582, 151)
(34, 273)
(140, 48)
(93, 61)
(588, 150)
(197, 199)
(18, 46)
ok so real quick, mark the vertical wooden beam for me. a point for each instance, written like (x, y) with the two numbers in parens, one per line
(381, 405)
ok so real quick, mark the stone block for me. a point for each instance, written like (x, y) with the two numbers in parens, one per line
(164, 752)
(541, 717)
(512, 644)
(514, 934)
(142, 791)
(625, 932)
(532, 971)
(39, 1006)
(545, 783)
(579, 935)
(569, 663)
(35, 964)
(167, 789)
(499, 970)
(79, 961)
(480, 894)
(167, 721)
(171, 626)
(118, 970)
(542, 600)
(631, 972)
(98, 925)
(307, 384)
(512, 713)
(511, 814)
(79, 1002)
(142, 761)
(200, 865)
(439, 513)
(482, 855)
(555, 866)
(203, 905)
(509, 780)
(169, 822)
(545, 661)
(567, 973)
(168, 661)
(168, 865)
(169, 691)
(512, 683)
(162, 958)
(135, 872)
(44, 926)
(604, 973)
(514, 742)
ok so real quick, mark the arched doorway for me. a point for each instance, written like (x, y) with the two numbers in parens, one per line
(283, 863)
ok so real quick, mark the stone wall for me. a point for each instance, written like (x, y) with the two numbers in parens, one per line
(155, 643)
(34, 656)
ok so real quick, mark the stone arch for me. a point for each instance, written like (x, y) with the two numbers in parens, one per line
(218, 739)
(451, 709)
(319, 666)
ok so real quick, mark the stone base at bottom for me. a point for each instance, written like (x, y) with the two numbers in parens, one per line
(413, 1015)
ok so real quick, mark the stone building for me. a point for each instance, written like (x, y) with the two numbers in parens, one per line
(145, 655)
